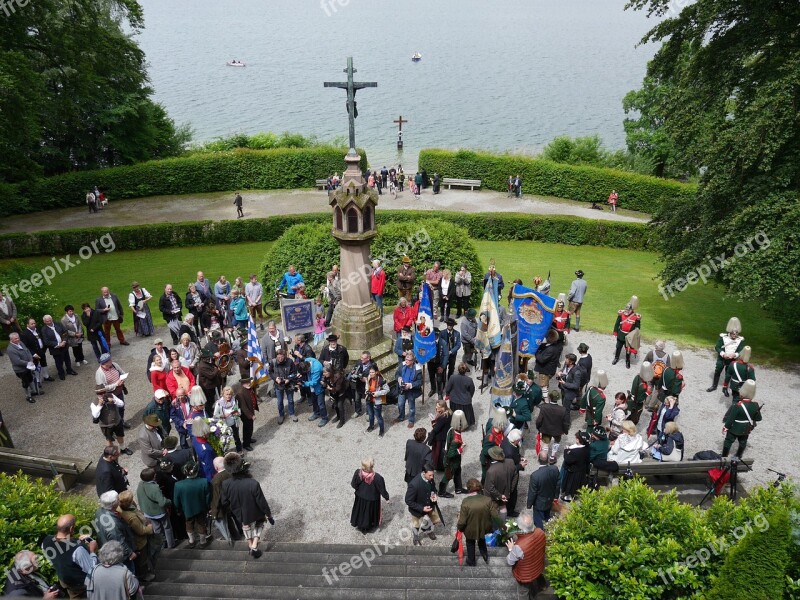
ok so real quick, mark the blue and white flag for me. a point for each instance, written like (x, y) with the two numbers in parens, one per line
(258, 371)
(534, 312)
(424, 336)
(488, 336)
(503, 377)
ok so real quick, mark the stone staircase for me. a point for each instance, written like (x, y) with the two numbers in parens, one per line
(294, 571)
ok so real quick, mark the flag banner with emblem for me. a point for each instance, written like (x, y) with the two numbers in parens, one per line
(489, 334)
(424, 336)
(257, 369)
(297, 316)
(534, 313)
(503, 378)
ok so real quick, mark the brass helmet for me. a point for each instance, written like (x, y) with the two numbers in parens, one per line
(562, 299)
(748, 390)
(601, 379)
(676, 362)
(744, 355)
(646, 371)
(459, 420)
(634, 303)
(734, 324)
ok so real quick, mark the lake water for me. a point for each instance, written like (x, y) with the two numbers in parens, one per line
(507, 75)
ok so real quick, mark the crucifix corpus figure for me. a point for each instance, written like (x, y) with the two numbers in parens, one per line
(352, 87)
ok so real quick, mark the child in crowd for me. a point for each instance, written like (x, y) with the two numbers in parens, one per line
(319, 328)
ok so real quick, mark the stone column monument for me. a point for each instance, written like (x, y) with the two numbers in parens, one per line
(356, 319)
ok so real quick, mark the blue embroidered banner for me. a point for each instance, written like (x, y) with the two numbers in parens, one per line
(424, 336)
(488, 336)
(534, 313)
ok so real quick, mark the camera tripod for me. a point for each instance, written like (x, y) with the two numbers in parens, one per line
(732, 470)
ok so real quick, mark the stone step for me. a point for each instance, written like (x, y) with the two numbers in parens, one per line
(167, 567)
(198, 591)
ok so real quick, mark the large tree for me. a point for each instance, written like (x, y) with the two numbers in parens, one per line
(729, 79)
(73, 89)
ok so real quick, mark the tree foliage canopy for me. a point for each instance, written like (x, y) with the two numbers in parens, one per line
(727, 75)
(74, 92)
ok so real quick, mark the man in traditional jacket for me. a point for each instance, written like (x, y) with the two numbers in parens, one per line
(741, 419)
(672, 382)
(737, 373)
(640, 390)
(727, 349)
(594, 401)
(628, 320)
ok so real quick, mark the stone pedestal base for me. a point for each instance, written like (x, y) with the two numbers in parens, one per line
(359, 328)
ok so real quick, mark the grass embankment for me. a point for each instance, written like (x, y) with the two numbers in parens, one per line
(694, 317)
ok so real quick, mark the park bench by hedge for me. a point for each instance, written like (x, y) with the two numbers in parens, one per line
(465, 183)
(653, 468)
(65, 471)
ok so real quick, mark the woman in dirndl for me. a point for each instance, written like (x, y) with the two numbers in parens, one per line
(142, 319)
(369, 486)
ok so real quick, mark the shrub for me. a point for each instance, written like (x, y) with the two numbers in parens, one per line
(755, 569)
(483, 226)
(623, 542)
(545, 178)
(34, 303)
(313, 250)
(30, 509)
(633, 542)
(280, 168)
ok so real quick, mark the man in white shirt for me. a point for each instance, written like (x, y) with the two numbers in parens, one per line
(254, 294)
(109, 306)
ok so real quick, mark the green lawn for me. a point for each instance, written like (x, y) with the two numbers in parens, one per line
(153, 269)
(694, 317)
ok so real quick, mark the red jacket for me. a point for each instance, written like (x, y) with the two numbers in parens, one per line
(172, 384)
(403, 317)
(159, 380)
(377, 282)
(531, 566)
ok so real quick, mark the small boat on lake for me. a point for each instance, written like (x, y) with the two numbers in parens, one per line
(417, 57)
(235, 63)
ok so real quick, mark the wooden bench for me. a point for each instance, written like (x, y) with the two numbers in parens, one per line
(654, 468)
(65, 471)
(465, 183)
(322, 184)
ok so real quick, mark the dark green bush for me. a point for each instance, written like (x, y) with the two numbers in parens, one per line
(34, 302)
(280, 168)
(313, 250)
(30, 509)
(481, 226)
(755, 569)
(545, 178)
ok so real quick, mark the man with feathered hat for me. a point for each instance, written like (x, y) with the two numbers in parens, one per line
(594, 401)
(741, 419)
(627, 326)
(728, 347)
(737, 373)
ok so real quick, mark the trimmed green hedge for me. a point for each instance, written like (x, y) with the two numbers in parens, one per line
(280, 168)
(545, 178)
(482, 226)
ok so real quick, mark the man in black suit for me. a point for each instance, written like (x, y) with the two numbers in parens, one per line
(32, 338)
(54, 337)
(570, 381)
(421, 500)
(418, 454)
(109, 475)
(178, 456)
(171, 307)
(110, 307)
(543, 488)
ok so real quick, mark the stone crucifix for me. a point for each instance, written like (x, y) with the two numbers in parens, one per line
(352, 87)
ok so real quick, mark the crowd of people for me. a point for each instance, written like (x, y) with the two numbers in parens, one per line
(393, 180)
(206, 376)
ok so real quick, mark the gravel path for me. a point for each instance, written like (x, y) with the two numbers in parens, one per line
(306, 470)
(218, 207)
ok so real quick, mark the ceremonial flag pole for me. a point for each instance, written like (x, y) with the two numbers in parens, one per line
(424, 336)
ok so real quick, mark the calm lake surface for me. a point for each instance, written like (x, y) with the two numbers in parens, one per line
(507, 75)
